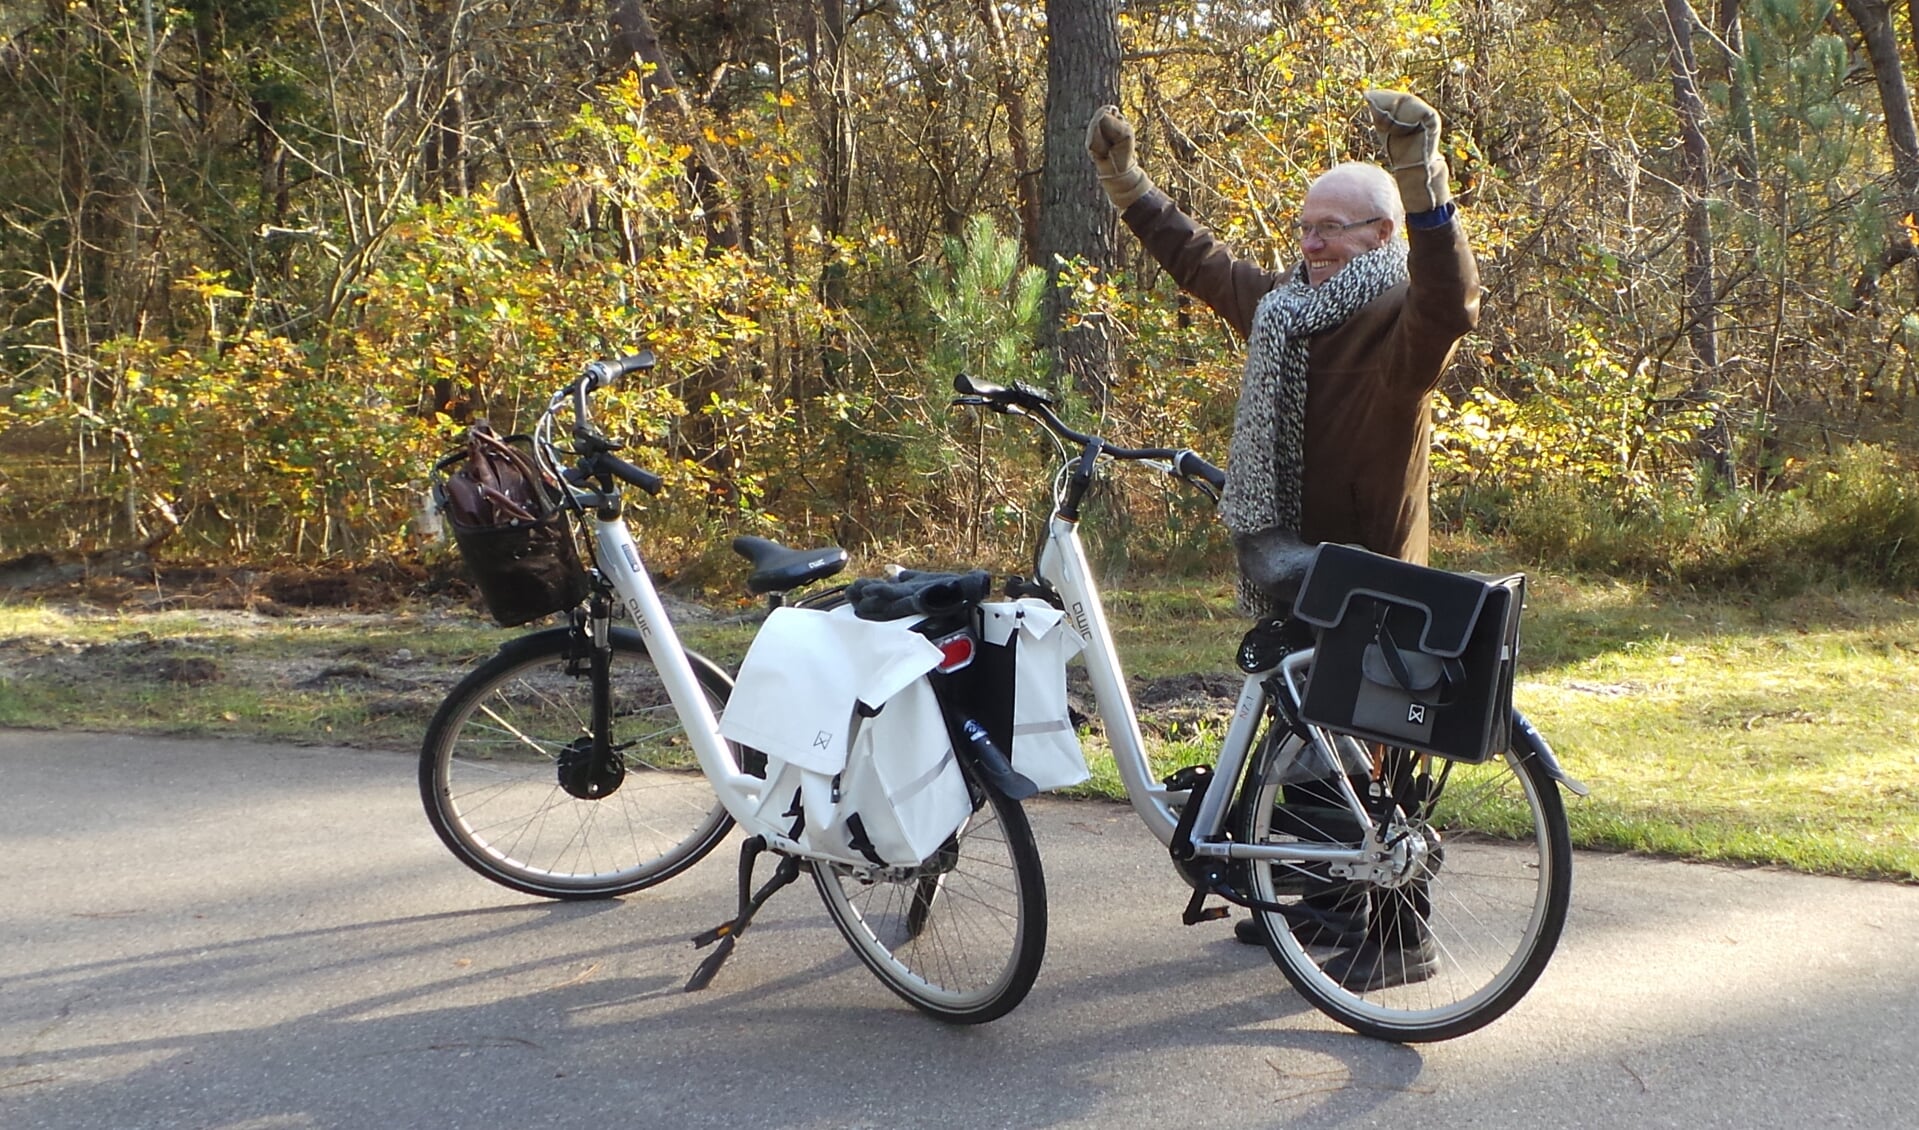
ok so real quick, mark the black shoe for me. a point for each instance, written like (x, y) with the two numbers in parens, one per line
(1311, 927)
(1369, 966)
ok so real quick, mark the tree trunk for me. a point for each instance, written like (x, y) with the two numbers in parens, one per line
(1013, 100)
(833, 109)
(1700, 305)
(1744, 157)
(1075, 218)
(1874, 18)
(636, 40)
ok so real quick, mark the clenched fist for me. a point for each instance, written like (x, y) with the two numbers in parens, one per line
(1109, 141)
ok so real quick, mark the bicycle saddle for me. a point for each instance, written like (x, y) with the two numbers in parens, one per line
(777, 568)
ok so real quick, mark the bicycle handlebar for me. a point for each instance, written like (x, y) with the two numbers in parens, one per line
(600, 374)
(1037, 404)
(606, 463)
(594, 451)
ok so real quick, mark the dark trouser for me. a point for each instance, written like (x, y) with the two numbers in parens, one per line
(1316, 811)
(1393, 918)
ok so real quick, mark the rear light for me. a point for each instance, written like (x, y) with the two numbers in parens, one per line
(956, 651)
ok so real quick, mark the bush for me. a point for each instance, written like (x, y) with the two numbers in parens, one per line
(1852, 519)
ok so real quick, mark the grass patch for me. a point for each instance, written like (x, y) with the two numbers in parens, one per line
(1723, 727)
(336, 678)
(1774, 732)
(1717, 727)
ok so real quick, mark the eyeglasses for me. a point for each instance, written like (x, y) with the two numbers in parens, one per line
(1330, 229)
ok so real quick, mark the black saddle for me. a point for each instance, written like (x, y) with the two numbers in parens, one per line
(778, 569)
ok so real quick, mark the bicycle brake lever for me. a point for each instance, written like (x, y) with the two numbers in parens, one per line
(1173, 471)
(588, 441)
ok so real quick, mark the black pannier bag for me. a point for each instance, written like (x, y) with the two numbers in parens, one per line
(511, 530)
(1411, 656)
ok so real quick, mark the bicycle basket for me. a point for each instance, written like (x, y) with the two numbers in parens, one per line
(511, 531)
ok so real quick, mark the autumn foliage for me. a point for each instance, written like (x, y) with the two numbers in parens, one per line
(264, 260)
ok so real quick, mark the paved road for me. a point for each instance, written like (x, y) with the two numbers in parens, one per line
(237, 935)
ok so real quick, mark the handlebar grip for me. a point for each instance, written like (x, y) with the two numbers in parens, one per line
(1018, 395)
(599, 374)
(606, 463)
(1190, 465)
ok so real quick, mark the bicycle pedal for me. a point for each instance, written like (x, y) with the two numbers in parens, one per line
(708, 937)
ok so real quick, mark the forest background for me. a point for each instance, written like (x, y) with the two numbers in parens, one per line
(261, 260)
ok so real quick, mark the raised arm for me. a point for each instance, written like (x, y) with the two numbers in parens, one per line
(1442, 304)
(1199, 263)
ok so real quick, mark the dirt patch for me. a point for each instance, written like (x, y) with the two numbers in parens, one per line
(131, 581)
(1168, 707)
(383, 680)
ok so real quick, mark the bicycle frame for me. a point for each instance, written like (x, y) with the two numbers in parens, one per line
(1064, 564)
(617, 554)
(618, 557)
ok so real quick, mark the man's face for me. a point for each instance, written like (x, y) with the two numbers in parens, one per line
(1335, 225)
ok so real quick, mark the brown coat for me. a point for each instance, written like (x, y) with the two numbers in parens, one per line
(1369, 425)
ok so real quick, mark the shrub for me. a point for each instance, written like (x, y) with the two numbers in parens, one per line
(1852, 519)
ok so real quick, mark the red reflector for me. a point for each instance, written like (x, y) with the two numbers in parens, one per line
(956, 651)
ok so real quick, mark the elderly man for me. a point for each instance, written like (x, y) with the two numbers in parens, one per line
(1334, 425)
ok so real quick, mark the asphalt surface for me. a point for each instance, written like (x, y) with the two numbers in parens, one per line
(256, 937)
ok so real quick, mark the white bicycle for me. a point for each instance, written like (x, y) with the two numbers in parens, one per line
(1410, 898)
(586, 761)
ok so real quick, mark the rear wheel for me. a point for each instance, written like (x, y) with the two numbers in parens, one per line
(960, 936)
(509, 784)
(1465, 921)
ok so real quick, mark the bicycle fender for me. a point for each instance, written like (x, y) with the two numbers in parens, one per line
(1546, 757)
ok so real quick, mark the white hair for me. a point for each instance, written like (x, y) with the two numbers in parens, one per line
(1371, 183)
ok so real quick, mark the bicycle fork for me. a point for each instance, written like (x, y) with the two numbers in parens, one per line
(590, 767)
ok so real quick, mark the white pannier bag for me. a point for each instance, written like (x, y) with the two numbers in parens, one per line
(876, 785)
(1035, 640)
(798, 684)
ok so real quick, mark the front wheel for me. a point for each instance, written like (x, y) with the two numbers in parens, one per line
(510, 785)
(1465, 925)
(960, 936)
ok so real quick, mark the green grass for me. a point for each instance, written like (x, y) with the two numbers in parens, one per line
(1721, 727)
(1708, 727)
(338, 678)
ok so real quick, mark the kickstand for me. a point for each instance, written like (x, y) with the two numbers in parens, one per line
(727, 934)
(1197, 911)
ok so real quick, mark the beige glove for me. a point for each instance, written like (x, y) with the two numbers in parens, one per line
(1109, 139)
(1410, 130)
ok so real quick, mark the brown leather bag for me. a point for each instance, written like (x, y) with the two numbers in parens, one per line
(512, 532)
(496, 484)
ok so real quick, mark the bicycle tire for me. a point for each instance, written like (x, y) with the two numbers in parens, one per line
(1492, 901)
(961, 936)
(490, 772)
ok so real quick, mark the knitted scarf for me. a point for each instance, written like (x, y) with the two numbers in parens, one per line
(1264, 481)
